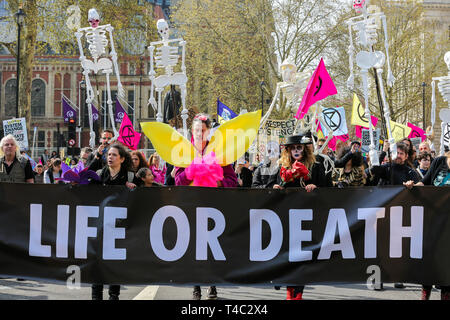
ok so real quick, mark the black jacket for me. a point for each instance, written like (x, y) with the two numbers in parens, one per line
(401, 173)
(437, 165)
(265, 177)
(246, 176)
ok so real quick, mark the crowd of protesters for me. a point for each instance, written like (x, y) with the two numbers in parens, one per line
(300, 165)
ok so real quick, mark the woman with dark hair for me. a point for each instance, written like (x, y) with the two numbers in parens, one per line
(53, 172)
(147, 178)
(439, 176)
(138, 160)
(411, 153)
(352, 174)
(299, 169)
(116, 172)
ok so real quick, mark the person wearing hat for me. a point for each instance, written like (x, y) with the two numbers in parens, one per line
(299, 169)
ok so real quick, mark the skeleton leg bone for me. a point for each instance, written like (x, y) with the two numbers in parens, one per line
(387, 116)
(374, 161)
(110, 106)
(159, 115)
(184, 112)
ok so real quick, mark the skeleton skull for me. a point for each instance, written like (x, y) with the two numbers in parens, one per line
(360, 4)
(93, 18)
(273, 150)
(447, 60)
(288, 69)
(163, 29)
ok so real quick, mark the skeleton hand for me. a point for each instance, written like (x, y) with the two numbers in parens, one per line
(393, 148)
(92, 139)
(351, 82)
(390, 79)
(374, 161)
(120, 91)
(152, 102)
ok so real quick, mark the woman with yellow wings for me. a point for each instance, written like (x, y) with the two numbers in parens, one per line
(205, 162)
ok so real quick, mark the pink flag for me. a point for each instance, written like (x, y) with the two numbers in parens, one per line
(319, 87)
(416, 132)
(128, 136)
(358, 129)
(343, 138)
(332, 143)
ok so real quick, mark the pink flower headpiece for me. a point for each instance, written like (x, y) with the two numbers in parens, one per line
(201, 118)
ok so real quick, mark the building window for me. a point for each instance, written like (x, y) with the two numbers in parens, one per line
(10, 98)
(38, 98)
(64, 138)
(132, 68)
(41, 139)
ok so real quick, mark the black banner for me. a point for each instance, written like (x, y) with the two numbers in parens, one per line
(189, 235)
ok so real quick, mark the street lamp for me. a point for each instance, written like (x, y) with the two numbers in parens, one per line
(20, 18)
(262, 97)
(423, 106)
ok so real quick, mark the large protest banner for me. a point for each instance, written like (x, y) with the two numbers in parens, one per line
(18, 128)
(190, 235)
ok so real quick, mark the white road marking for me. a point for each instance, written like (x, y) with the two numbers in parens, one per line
(148, 293)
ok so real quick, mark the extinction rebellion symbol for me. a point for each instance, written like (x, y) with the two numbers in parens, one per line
(332, 118)
(127, 134)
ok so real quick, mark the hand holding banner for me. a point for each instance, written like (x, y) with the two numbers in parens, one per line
(319, 87)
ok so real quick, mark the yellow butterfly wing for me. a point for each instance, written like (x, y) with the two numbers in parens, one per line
(233, 138)
(172, 147)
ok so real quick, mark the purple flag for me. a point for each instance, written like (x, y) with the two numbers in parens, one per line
(95, 114)
(68, 111)
(120, 112)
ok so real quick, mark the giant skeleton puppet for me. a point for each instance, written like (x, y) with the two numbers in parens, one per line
(97, 40)
(366, 35)
(444, 115)
(166, 57)
(293, 88)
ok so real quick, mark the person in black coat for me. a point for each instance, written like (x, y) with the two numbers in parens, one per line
(299, 169)
(438, 175)
(397, 173)
(116, 172)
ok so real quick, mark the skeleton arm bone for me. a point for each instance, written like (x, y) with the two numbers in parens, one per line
(120, 90)
(433, 107)
(330, 134)
(390, 77)
(351, 50)
(152, 75)
(268, 113)
(387, 115)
